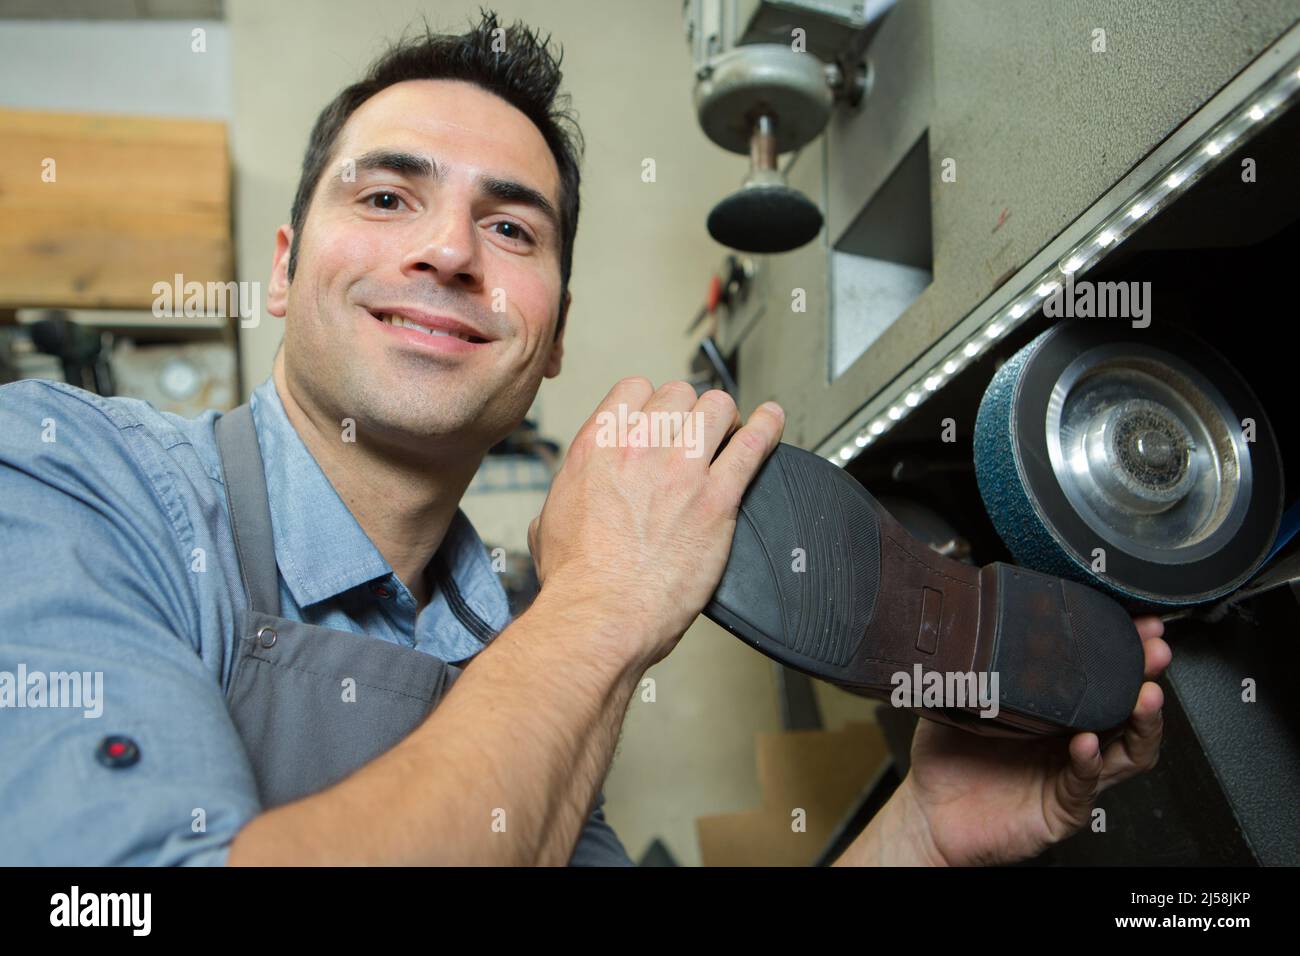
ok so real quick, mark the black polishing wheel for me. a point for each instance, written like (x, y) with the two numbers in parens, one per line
(765, 219)
(1118, 457)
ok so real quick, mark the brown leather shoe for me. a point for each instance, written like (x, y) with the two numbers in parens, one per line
(824, 580)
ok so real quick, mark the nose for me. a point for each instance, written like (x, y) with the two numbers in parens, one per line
(445, 243)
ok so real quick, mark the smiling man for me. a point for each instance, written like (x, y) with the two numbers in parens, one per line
(423, 283)
(306, 655)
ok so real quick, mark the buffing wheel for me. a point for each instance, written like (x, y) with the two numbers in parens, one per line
(1118, 457)
(765, 218)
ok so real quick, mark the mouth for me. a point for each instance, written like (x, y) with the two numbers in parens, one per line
(429, 325)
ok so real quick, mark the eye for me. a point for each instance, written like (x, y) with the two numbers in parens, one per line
(389, 201)
(521, 235)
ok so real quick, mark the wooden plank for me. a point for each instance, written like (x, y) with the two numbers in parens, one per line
(134, 200)
(821, 772)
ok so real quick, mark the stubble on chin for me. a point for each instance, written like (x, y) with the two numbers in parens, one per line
(413, 413)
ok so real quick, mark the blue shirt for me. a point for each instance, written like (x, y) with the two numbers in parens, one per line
(116, 558)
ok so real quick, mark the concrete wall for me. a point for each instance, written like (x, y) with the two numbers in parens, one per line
(115, 67)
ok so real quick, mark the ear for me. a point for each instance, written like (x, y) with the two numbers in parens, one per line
(277, 295)
(557, 347)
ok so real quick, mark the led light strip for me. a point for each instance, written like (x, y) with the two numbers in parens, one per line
(1175, 178)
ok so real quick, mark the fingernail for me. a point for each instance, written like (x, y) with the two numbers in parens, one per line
(774, 408)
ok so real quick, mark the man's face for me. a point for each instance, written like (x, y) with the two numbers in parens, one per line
(419, 212)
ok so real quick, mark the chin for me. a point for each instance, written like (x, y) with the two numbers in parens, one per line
(430, 424)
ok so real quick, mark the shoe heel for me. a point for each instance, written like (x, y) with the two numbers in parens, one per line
(1064, 653)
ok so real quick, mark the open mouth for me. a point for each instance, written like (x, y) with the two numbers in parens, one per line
(404, 323)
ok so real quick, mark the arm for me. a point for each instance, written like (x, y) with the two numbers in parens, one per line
(95, 572)
(896, 836)
(528, 729)
(629, 547)
(599, 845)
(94, 583)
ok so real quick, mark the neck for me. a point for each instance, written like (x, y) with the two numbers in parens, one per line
(403, 504)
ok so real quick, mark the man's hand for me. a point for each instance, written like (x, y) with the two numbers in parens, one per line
(972, 800)
(644, 532)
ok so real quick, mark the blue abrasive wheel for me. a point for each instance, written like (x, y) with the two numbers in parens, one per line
(1134, 460)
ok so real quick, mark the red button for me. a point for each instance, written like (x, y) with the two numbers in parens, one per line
(117, 751)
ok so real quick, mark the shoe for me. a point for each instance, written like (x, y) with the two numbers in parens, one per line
(822, 579)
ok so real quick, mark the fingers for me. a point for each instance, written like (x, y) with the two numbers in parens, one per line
(716, 416)
(632, 392)
(738, 463)
(669, 412)
(699, 424)
(719, 416)
(1157, 653)
(1091, 768)
(674, 416)
(1149, 626)
(1079, 781)
(675, 396)
(1138, 748)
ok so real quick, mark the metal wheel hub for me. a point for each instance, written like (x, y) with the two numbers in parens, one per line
(1148, 453)
(1140, 456)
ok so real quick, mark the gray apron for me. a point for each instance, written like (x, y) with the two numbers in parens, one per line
(311, 703)
(287, 695)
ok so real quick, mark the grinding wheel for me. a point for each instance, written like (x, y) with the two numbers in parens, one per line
(1118, 457)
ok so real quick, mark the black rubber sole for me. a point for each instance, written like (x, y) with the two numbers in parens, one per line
(824, 580)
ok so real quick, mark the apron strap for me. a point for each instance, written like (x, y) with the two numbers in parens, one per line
(250, 512)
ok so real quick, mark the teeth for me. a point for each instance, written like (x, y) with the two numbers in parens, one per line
(405, 323)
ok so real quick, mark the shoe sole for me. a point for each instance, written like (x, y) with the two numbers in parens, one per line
(824, 580)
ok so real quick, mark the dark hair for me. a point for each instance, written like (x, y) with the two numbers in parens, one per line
(525, 74)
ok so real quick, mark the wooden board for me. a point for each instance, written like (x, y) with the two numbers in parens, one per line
(821, 773)
(134, 200)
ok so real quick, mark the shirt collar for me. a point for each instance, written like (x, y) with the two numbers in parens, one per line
(320, 548)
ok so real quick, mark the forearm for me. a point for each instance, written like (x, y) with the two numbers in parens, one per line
(503, 772)
(896, 836)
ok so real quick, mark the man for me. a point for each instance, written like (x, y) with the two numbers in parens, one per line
(284, 601)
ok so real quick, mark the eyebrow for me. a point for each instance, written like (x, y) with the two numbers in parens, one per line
(506, 190)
